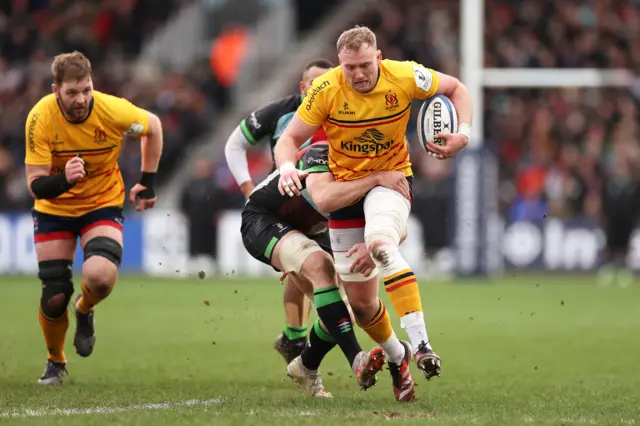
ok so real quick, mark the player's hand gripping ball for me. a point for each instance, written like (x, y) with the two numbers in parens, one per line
(438, 128)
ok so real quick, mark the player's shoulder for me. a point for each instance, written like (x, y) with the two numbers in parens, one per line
(105, 100)
(315, 158)
(399, 70)
(47, 106)
(330, 81)
(407, 74)
(324, 88)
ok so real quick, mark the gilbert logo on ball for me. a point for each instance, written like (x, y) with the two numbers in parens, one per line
(437, 115)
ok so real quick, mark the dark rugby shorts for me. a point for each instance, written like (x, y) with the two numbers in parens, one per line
(49, 227)
(262, 230)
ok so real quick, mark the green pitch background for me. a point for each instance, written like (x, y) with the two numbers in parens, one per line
(521, 350)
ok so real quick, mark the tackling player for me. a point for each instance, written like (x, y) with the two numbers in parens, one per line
(73, 139)
(364, 106)
(268, 122)
(291, 235)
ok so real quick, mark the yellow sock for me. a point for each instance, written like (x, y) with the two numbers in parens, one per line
(87, 301)
(54, 332)
(403, 291)
(379, 328)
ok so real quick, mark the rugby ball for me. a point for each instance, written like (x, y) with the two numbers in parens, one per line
(437, 115)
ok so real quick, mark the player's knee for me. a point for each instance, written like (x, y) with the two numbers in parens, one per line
(100, 269)
(57, 286)
(99, 275)
(105, 247)
(383, 253)
(364, 308)
(318, 265)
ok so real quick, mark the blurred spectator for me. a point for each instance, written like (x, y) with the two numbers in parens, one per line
(201, 203)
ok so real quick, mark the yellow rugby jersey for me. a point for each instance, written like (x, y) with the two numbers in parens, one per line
(52, 139)
(366, 131)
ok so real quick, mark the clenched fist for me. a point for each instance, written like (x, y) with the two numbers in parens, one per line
(74, 170)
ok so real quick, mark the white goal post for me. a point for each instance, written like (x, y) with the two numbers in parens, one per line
(478, 228)
(476, 77)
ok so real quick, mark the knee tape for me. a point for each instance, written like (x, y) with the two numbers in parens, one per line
(342, 240)
(294, 249)
(104, 246)
(386, 214)
(57, 286)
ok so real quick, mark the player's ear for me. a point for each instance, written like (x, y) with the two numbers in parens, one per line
(379, 56)
(54, 88)
(301, 85)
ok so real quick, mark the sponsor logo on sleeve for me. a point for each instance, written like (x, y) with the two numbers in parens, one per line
(423, 77)
(316, 90)
(134, 129)
(32, 131)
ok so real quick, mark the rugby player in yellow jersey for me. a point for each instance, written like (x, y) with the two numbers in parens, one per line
(73, 139)
(364, 106)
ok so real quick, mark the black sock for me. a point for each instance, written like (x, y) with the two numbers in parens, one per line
(320, 343)
(335, 316)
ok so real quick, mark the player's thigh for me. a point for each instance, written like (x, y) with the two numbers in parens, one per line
(261, 233)
(345, 233)
(54, 236)
(386, 216)
(101, 240)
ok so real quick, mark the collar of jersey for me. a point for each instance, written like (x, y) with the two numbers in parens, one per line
(80, 121)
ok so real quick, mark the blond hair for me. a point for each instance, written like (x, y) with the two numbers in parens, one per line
(70, 66)
(355, 37)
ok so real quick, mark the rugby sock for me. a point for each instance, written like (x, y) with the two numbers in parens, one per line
(381, 332)
(402, 287)
(54, 331)
(87, 301)
(335, 316)
(293, 333)
(319, 345)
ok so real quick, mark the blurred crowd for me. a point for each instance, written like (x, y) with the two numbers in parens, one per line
(111, 33)
(560, 150)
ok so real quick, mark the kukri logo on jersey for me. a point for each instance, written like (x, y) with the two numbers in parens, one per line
(369, 142)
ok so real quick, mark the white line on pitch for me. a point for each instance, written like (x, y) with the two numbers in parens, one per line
(46, 411)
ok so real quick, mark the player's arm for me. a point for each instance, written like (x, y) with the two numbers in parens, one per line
(41, 184)
(140, 123)
(151, 145)
(426, 83)
(235, 152)
(308, 118)
(455, 90)
(330, 195)
(256, 126)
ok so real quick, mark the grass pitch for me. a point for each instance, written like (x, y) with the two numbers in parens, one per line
(546, 350)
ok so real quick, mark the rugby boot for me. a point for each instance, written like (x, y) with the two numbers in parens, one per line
(85, 337)
(53, 373)
(289, 349)
(310, 381)
(403, 386)
(427, 361)
(366, 366)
